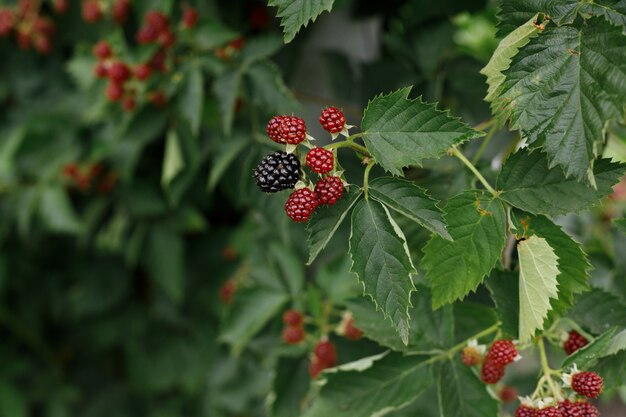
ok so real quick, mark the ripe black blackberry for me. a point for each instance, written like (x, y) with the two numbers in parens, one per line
(277, 171)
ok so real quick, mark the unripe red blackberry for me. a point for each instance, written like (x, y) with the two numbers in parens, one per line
(156, 20)
(102, 50)
(325, 353)
(166, 39)
(587, 410)
(120, 11)
(332, 120)
(143, 72)
(588, 384)
(146, 34)
(570, 409)
(508, 394)
(42, 44)
(277, 171)
(61, 6)
(119, 72)
(574, 342)
(301, 204)
(227, 290)
(551, 411)
(502, 352)
(525, 411)
(491, 372)
(91, 11)
(316, 367)
(320, 160)
(101, 70)
(44, 26)
(115, 91)
(471, 356)
(293, 335)
(7, 21)
(157, 62)
(351, 332)
(286, 129)
(190, 17)
(158, 98)
(329, 190)
(292, 318)
(129, 104)
(237, 43)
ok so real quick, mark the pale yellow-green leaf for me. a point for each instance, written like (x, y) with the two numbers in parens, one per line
(173, 162)
(537, 284)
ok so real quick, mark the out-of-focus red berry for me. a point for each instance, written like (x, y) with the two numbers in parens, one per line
(102, 50)
(7, 21)
(129, 104)
(101, 70)
(108, 183)
(227, 290)
(259, 17)
(115, 91)
(91, 11)
(166, 39)
(120, 11)
(146, 34)
(119, 72)
(42, 44)
(156, 20)
(61, 6)
(238, 43)
(190, 17)
(158, 98)
(143, 72)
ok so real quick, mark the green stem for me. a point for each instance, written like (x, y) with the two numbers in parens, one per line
(479, 335)
(484, 125)
(475, 171)
(349, 144)
(483, 146)
(547, 371)
(366, 177)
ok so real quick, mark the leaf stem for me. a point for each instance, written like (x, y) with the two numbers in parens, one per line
(547, 371)
(366, 177)
(483, 146)
(349, 144)
(479, 335)
(474, 170)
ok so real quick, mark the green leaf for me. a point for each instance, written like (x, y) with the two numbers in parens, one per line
(381, 260)
(12, 401)
(251, 310)
(504, 289)
(269, 90)
(81, 70)
(501, 58)
(191, 98)
(56, 211)
(290, 266)
(620, 224)
(537, 284)
(411, 201)
(210, 35)
(399, 131)
(295, 14)
(259, 48)
(527, 183)
(589, 355)
(574, 266)
(173, 161)
(562, 88)
(226, 89)
(290, 386)
(428, 329)
(613, 370)
(599, 311)
(225, 154)
(325, 222)
(614, 11)
(513, 13)
(477, 223)
(386, 384)
(164, 260)
(461, 394)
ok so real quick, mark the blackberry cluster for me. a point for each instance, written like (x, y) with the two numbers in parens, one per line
(277, 171)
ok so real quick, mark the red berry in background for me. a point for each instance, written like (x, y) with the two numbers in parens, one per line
(70, 170)
(301, 204)
(292, 318)
(502, 352)
(229, 254)
(42, 44)
(315, 368)
(508, 394)
(120, 11)
(227, 290)
(588, 384)
(320, 160)
(293, 335)
(525, 411)
(26, 8)
(61, 6)
(158, 98)
(156, 20)
(190, 17)
(115, 91)
(92, 12)
(259, 17)
(491, 372)
(44, 26)
(7, 21)
(146, 34)
(101, 70)
(107, 183)
(237, 43)
(329, 190)
(157, 62)
(551, 411)
(166, 39)
(574, 342)
(332, 120)
(471, 356)
(351, 332)
(119, 72)
(325, 353)
(129, 104)
(23, 39)
(143, 72)
(102, 50)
